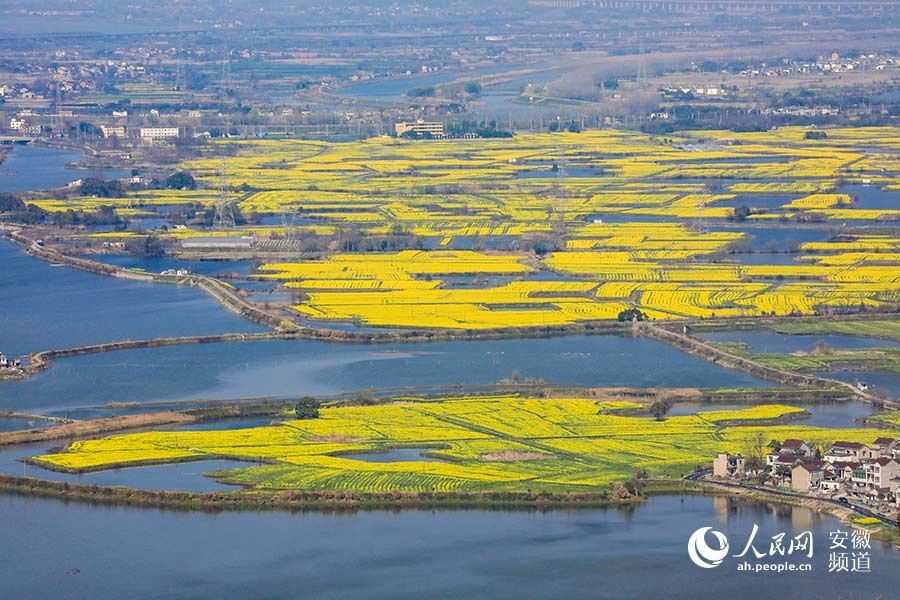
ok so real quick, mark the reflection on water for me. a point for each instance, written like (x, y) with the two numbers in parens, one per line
(593, 553)
(305, 367)
(395, 455)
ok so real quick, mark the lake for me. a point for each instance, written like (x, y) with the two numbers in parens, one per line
(29, 168)
(770, 342)
(181, 476)
(57, 549)
(885, 382)
(306, 367)
(48, 307)
(158, 264)
(833, 415)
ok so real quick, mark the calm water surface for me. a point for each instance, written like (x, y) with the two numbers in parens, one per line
(46, 307)
(770, 342)
(54, 549)
(183, 476)
(29, 168)
(304, 367)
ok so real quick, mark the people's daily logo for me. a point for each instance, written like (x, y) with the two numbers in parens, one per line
(702, 553)
(782, 552)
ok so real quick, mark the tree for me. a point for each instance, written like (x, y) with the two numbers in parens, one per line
(182, 180)
(632, 314)
(540, 243)
(741, 213)
(421, 92)
(473, 88)
(775, 445)
(755, 452)
(94, 186)
(659, 409)
(149, 246)
(307, 408)
(10, 203)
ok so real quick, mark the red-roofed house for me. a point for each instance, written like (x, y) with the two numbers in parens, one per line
(808, 475)
(844, 451)
(798, 447)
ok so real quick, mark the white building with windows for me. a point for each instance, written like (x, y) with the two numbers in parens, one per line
(159, 133)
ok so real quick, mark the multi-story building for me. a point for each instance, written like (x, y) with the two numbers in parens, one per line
(730, 466)
(420, 128)
(159, 133)
(844, 452)
(118, 131)
(808, 475)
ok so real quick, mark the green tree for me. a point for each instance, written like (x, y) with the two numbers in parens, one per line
(741, 213)
(182, 180)
(307, 408)
(632, 313)
(659, 409)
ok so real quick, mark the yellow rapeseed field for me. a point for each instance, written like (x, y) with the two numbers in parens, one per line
(485, 443)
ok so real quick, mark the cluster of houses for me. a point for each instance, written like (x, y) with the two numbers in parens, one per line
(850, 469)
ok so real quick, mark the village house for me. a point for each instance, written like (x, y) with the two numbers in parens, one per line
(798, 447)
(844, 452)
(730, 466)
(781, 464)
(885, 446)
(808, 475)
(882, 473)
(847, 468)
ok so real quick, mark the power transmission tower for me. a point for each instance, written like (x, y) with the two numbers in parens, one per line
(641, 67)
(700, 225)
(179, 74)
(226, 68)
(289, 221)
(224, 217)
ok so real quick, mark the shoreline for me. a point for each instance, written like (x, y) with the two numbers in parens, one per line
(250, 499)
(337, 502)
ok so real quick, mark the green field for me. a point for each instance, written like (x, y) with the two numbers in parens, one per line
(888, 329)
